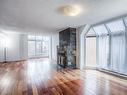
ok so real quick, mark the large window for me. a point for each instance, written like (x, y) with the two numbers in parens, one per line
(38, 46)
(111, 41)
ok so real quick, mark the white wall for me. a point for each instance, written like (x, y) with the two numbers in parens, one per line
(55, 42)
(13, 47)
(1, 50)
(16, 47)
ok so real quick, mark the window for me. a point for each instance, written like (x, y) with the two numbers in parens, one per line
(30, 37)
(90, 52)
(38, 46)
(118, 53)
(117, 45)
(125, 19)
(31, 48)
(91, 33)
(111, 46)
(100, 30)
(103, 45)
(103, 51)
(116, 26)
(38, 38)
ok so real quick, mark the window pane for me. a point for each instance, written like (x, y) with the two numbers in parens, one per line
(30, 37)
(103, 51)
(38, 37)
(45, 38)
(45, 48)
(91, 49)
(38, 47)
(91, 33)
(125, 20)
(116, 26)
(118, 54)
(100, 30)
(31, 48)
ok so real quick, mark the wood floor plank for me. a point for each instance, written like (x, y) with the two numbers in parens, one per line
(41, 77)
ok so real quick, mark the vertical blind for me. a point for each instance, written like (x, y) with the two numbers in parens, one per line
(103, 45)
(91, 52)
(117, 29)
(112, 45)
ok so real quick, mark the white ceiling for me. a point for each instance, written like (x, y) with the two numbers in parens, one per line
(42, 16)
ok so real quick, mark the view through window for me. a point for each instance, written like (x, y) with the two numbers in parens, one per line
(38, 46)
(111, 43)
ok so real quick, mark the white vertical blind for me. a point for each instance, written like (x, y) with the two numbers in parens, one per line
(118, 43)
(91, 52)
(125, 64)
(112, 45)
(118, 53)
(103, 45)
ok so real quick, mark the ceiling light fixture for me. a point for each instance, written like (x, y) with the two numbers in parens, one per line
(70, 10)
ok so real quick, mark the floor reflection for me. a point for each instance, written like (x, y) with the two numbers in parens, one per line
(39, 70)
(41, 77)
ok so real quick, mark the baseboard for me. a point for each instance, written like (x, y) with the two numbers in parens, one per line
(90, 68)
(107, 71)
(13, 61)
(113, 73)
(37, 57)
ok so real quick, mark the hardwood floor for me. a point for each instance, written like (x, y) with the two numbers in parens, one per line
(41, 77)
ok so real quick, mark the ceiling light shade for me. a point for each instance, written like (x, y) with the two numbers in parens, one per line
(70, 10)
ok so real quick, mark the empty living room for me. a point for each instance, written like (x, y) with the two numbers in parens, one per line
(63, 47)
